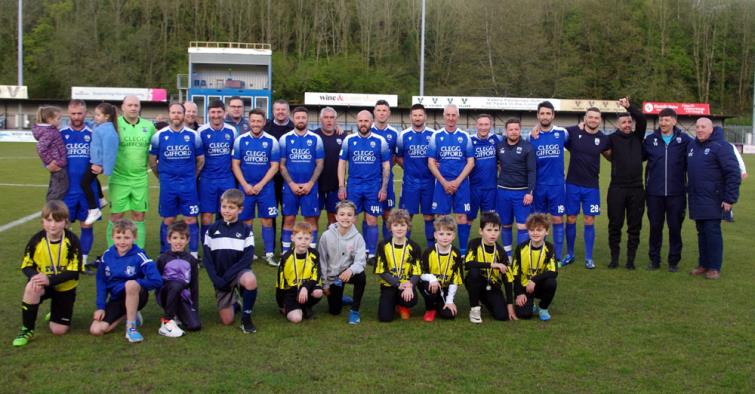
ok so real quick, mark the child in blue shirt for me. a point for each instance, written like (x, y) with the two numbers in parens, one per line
(124, 278)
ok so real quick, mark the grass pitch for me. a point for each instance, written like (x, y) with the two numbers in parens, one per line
(611, 330)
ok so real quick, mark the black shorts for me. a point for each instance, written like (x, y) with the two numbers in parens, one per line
(115, 309)
(288, 299)
(61, 308)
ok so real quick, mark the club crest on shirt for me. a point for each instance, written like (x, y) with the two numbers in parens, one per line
(691, 152)
(238, 235)
(227, 137)
(579, 136)
(518, 150)
(166, 138)
(309, 142)
(264, 144)
(441, 139)
(707, 150)
(655, 141)
(389, 137)
(597, 141)
(339, 141)
(67, 136)
(372, 144)
(460, 140)
(556, 135)
(355, 143)
(187, 138)
(678, 140)
(86, 138)
(409, 138)
(130, 270)
(502, 150)
(145, 130)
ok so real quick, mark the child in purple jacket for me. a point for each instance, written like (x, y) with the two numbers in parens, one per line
(52, 150)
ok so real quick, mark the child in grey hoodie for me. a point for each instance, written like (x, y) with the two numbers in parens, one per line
(342, 260)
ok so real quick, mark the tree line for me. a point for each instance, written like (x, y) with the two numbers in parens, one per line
(662, 50)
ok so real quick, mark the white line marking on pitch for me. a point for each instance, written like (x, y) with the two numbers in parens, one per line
(19, 222)
(21, 185)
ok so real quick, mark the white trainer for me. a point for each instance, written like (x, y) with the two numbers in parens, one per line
(92, 216)
(170, 329)
(475, 315)
(270, 258)
(103, 202)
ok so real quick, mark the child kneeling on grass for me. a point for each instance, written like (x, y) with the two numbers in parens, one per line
(342, 259)
(52, 263)
(126, 275)
(299, 287)
(179, 294)
(534, 270)
(441, 271)
(228, 255)
(399, 269)
(487, 273)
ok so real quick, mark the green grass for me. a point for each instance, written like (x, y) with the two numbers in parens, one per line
(611, 330)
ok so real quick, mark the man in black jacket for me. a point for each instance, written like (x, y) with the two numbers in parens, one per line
(626, 196)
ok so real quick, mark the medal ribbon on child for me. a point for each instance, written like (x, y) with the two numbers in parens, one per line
(530, 272)
(485, 260)
(55, 264)
(443, 271)
(296, 270)
(395, 263)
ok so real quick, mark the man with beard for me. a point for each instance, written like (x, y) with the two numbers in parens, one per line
(626, 196)
(418, 181)
(451, 159)
(256, 157)
(176, 158)
(549, 142)
(301, 164)
(517, 170)
(368, 160)
(583, 182)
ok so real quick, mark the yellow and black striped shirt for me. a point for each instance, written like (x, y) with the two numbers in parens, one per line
(445, 267)
(400, 263)
(482, 256)
(299, 270)
(532, 264)
(60, 261)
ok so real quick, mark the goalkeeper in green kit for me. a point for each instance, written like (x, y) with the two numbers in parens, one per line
(129, 184)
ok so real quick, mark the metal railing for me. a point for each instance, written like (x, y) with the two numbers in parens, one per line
(231, 45)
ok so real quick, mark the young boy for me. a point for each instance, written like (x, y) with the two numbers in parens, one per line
(534, 270)
(441, 271)
(179, 294)
(342, 260)
(299, 286)
(398, 266)
(127, 275)
(486, 272)
(52, 262)
(228, 255)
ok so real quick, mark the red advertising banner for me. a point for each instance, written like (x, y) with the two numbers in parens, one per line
(695, 109)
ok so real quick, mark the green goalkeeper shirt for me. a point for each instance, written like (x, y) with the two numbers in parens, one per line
(133, 152)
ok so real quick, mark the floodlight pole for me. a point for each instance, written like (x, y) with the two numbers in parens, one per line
(19, 115)
(422, 54)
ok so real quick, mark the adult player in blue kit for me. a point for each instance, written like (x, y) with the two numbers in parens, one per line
(368, 159)
(77, 138)
(516, 183)
(382, 112)
(451, 159)
(418, 181)
(301, 164)
(482, 179)
(549, 142)
(176, 158)
(331, 141)
(583, 182)
(256, 157)
(216, 176)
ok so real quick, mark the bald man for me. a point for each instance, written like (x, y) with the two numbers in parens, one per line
(368, 158)
(190, 115)
(713, 180)
(129, 184)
